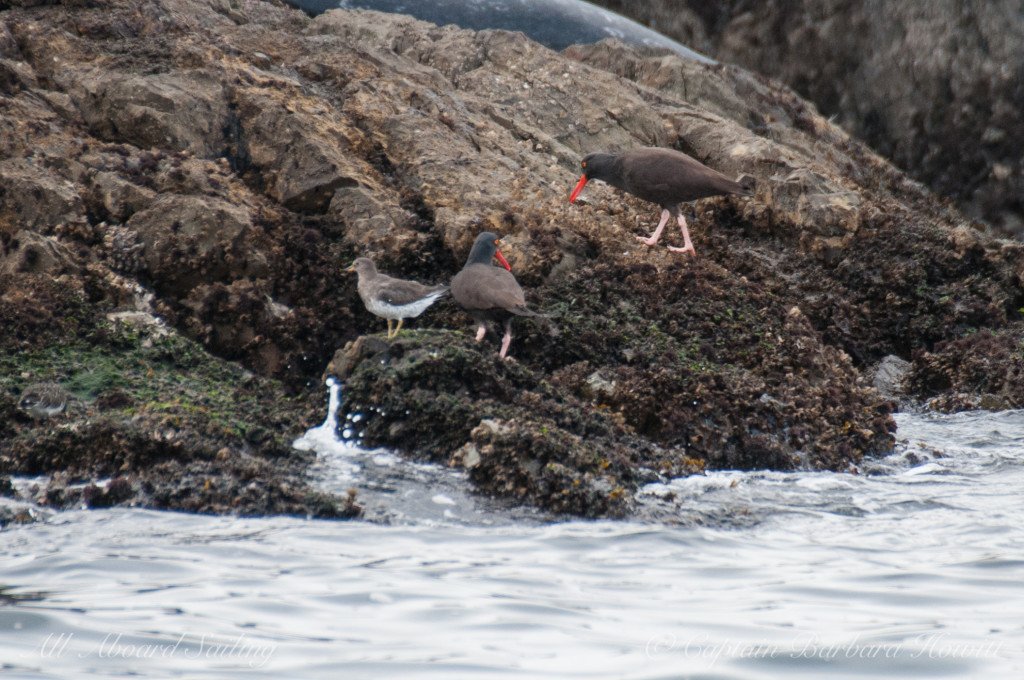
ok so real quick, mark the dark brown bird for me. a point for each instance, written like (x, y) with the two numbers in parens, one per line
(661, 176)
(393, 298)
(489, 293)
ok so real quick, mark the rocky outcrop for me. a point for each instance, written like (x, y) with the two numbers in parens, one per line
(935, 87)
(173, 256)
(982, 370)
(185, 110)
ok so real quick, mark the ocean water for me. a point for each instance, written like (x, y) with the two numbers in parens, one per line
(913, 568)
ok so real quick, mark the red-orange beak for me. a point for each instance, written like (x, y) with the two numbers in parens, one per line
(578, 189)
(501, 259)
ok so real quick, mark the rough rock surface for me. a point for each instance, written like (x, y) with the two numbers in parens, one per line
(936, 87)
(228, 209)
(983, 370)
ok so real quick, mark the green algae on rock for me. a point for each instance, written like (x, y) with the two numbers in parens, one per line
(428, 394)
(169, 425)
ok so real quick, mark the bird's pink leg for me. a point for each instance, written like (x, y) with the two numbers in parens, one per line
(505, 342)
(653, 240)
(481, 332)
(687, 245)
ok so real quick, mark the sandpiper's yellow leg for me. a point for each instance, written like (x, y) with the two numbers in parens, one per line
(389, 329)
(398, 327)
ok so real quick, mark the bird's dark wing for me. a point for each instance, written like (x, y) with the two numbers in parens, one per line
(668, 178)
(399, 292)
(488, 287)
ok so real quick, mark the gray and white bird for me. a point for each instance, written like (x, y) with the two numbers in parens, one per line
(43, 400)
(393, 298)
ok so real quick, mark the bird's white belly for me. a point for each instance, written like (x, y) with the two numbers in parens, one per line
(46, 410)
(409, 311)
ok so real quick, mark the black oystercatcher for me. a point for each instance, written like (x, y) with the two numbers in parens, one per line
(661, 176)
(393, 298)
(487, 292)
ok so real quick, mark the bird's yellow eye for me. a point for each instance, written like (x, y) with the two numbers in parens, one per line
(584, 164)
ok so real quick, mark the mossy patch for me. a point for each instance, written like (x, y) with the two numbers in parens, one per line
(182, 429)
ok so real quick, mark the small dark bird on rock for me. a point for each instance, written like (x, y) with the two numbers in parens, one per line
(662, 176)
(393, 298)
(43, 400)
(489, 293)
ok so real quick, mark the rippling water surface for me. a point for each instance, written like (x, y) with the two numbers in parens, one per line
(912, 568)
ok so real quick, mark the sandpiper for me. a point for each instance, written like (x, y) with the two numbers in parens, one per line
(43, 400)
(393, 298)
